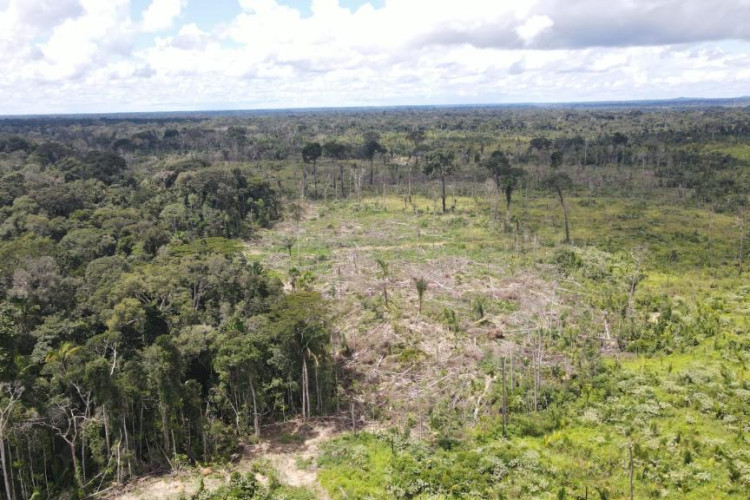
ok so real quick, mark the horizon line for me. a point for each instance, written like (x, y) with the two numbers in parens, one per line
(612, 103)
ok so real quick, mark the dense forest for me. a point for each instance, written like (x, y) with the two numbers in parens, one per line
(535, 302)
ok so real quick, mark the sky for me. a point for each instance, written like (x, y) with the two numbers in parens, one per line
(96, 56)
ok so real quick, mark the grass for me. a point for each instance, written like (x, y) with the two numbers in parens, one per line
(355, 466)
(701, 245)
(739, 151)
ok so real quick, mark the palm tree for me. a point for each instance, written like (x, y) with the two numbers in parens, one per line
(421, 285)
(384, 274)
(288, 243)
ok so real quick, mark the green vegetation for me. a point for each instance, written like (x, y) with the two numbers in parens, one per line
(247, 487)
(685, 429)
(488, 303)
(667, 378)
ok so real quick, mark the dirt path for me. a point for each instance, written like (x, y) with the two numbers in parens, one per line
(291, 449)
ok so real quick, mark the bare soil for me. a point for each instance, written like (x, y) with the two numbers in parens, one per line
(290, 448)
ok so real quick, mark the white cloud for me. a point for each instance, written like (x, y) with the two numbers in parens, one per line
(532, 27)
(191, 37)
(23, 20)
(161, 14)
(97, 37)
(80, 56)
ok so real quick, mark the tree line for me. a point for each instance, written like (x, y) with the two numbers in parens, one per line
(134, 334)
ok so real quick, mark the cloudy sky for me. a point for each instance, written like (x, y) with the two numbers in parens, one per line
(150, 55)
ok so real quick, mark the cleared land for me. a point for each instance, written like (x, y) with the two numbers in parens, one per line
(493, 294)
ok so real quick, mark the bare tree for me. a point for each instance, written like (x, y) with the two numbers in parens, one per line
(67, 422)
(10, 393)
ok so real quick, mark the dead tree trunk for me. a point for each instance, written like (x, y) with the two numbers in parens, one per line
(565, 215)
(256, 420)
(505, 402)
(442, 182)
(3, 461)
(305, 390)
(341, 179)
(14, 394)
(630, 454)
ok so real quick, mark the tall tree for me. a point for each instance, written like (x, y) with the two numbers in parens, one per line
(310, 154)
(164, 368)
(559, 182)
(556, 159)
(440, 164)
(10, 393)
(337, 151)
(511, 178)
(239, 364)
(417, 137)
(497, 163)
(371, 147)
(506, 178)
(298, 327)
